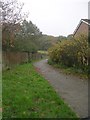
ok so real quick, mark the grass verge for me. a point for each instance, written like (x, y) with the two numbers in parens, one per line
(43, 52)
(26, 94)
(0, 95)
(70, 70)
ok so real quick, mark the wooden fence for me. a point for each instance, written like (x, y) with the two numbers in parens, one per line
(12, 58)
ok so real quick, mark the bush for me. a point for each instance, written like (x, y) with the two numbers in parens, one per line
(71, 53)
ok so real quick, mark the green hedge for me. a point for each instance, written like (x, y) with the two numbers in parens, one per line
(71, 53)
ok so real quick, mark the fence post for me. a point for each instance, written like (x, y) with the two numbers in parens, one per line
(29, 60)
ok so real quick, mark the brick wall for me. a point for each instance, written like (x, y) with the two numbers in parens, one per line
(83, 29)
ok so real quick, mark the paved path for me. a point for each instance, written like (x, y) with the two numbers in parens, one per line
(73, 90)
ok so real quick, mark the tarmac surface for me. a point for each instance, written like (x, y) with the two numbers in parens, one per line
(72, 89)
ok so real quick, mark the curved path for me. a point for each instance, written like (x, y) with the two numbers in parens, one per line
(72, 89)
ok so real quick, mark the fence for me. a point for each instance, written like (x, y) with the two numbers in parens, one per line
(13, 58)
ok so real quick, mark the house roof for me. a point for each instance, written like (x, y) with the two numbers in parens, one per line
(86, 21)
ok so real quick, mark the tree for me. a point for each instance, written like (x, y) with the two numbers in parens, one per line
(60, 38)
(46, 41)
(70, 37)
(27, 38)
(10, 20)
(28, 28)
(11, 11)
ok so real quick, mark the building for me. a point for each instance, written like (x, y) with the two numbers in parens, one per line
(82, 28)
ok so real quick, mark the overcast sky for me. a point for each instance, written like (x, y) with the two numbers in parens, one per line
(56, 17)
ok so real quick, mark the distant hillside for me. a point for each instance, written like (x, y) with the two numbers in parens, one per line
(46, 41)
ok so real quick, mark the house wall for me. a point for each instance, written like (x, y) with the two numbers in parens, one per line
(83, 29)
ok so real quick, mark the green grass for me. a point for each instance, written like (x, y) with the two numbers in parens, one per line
(42, 52)
(0, 95)
(26, 94)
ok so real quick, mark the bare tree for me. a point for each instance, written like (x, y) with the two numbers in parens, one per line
(11, 11)
(11, 17)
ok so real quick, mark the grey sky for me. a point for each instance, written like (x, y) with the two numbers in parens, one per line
(56, 17)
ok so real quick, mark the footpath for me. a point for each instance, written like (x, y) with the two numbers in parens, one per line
(73, 90)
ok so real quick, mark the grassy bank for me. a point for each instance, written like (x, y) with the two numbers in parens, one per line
(43, 52)
(0, 95)
(70, 70)
(26, 94)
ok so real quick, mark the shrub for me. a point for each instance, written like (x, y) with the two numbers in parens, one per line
(71, 53)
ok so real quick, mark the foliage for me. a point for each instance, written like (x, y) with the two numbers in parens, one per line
(70, 37)
(24, 37)
(28, 28)
(71, 52)
(46, 41)
(60, 38)
(27, 37)
(11, 18)
(8, 34)
(19, 34)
